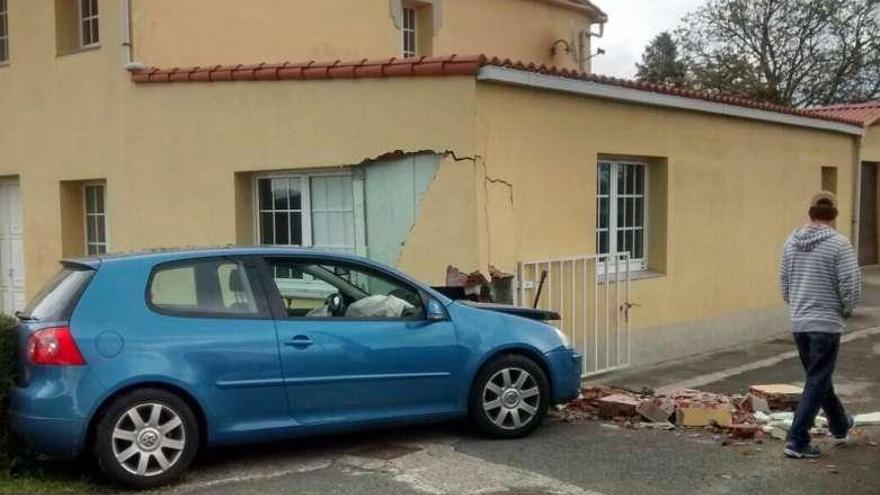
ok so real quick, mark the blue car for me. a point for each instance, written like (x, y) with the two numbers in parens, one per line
(141, 360)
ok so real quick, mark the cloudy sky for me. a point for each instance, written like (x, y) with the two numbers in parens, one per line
(631, 26)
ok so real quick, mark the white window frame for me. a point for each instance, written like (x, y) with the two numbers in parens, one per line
(4, 22)
(305, 178)
(100, 247)
(82, 19)
(635, 264)
(409, 27)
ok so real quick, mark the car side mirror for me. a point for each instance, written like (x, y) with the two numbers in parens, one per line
(434, 311)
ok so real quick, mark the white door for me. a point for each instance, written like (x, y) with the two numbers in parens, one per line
(12, 296)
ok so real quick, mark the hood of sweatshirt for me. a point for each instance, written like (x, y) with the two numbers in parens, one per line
(807, 238)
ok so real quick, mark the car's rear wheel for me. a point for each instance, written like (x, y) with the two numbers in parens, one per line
(509, 397)
(146, 438)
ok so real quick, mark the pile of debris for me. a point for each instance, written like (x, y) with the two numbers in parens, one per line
(765, 410)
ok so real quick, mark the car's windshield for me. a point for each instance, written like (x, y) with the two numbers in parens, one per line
(55, 300)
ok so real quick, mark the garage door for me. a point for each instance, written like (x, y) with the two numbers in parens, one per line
(11, 248)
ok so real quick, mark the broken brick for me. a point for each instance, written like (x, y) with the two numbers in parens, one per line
(618, 405)
(743, 431)
(779, 397)
(753, 403)
(703, 416)
(657, 410)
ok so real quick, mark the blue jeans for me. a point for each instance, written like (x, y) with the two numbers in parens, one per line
(818, 353)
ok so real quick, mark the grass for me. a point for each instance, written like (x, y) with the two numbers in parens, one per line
(50, 477)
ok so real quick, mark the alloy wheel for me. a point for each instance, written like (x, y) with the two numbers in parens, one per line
(148, 439)
(511, 398)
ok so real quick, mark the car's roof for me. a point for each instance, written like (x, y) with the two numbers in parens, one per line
(170, 254)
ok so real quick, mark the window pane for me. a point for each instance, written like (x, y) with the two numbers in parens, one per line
(639, 250)
(620, 242)
(99, 199)
(631, 179)
(604, 179)
(86, 33)
(361, 293)
(640, 212)
(603, 213)
(90, 199)
(175, 287)
(640, 180)
(94, 10)
(235, 289)
(91, 228)
(621, 180)
(267, 229)
(264, 191)
(621, 211)
(282, 229)
(280, 190)
(95, 36)
(99, 221)
(296, 229)
(295, 194)
(85, 8)
(602, 248)
(214, 286)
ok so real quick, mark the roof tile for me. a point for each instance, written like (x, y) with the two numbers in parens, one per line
(470, 65)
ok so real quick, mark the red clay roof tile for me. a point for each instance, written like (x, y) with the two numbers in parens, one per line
(868, 113)
(468, 65)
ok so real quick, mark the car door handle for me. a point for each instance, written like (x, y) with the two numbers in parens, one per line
(300, 342)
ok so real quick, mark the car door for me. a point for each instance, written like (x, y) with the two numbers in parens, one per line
(376, 357)
(211, 324)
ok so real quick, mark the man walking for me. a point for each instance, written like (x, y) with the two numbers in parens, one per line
(821, 283)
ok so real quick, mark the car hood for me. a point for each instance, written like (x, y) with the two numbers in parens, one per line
(530, 313)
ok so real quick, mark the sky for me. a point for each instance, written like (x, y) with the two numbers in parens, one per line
(632, 24)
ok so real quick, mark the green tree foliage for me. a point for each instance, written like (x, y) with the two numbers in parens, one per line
(661, 63)
(790, 52)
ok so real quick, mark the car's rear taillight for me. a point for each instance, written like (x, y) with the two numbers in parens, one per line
(53, 347)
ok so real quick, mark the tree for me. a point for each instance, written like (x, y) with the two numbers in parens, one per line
(790, 52)
(661, 63)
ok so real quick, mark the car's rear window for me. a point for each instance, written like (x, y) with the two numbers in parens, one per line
(56, 300)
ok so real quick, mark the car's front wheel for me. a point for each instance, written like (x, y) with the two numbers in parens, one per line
(509, 397)
(146, 438)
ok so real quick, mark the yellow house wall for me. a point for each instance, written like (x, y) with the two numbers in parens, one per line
(871, 144)
(736, 189)
(183, 33)
(170, 153)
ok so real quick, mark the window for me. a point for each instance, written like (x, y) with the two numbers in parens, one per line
(88, 15)
(621, 215)
(95, 219)
(315, 210)
(219, 287)
(829, 179)
(57, 298)
(318, 289)
(409, 32)
(4, 33)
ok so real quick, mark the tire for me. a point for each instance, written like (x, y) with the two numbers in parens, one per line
(169, 443)
(501, 406)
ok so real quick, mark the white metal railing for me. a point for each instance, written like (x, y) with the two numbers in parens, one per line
(591, 294)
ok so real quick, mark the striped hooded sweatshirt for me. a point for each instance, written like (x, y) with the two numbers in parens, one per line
(820, 278)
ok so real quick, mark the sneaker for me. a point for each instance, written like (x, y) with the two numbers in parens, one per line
(808, 452)
(845, 438)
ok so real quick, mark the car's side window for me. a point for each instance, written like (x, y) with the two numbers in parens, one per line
(203, 287)
(325, 289)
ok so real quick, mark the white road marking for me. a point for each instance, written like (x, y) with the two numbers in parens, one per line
(439, 469)
(702, 380)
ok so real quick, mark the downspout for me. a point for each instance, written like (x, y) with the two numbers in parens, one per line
(857, 197)
(125, 23)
